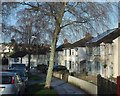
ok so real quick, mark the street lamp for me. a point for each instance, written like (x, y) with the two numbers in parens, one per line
(31, 38)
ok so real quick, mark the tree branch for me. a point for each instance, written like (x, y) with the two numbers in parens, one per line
(36, 8)
(73, 23)
(51, 10)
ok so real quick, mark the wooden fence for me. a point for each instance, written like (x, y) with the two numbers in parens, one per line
(106, 87)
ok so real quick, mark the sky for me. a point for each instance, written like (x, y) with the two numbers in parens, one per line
(13, 18)
(61, 0)
(0, 22)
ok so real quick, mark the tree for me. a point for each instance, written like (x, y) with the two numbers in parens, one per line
(63, 18)
(14, 45)
(7, 29)
(28, 23)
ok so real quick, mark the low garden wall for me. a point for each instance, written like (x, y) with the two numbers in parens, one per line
(57, 75)
(88, 87)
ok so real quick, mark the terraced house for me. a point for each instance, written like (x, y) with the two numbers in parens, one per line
(39, 54)
(73, 56)
(93, 55)
(104, 54)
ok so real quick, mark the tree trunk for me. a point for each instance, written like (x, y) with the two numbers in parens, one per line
(52, 54)
(51, 64)
(58, 21)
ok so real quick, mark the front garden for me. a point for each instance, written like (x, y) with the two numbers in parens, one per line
(36, 87)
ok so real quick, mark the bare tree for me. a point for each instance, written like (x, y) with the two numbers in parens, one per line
(67, 18)
(84, 15)
(7, 8)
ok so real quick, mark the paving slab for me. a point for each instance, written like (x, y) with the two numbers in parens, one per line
(63, 88)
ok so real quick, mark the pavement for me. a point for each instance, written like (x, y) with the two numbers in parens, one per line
(62, 87)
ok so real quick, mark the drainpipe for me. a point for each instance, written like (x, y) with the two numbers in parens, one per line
(21, 59)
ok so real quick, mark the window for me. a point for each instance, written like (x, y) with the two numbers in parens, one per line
(69, 51)
(69, 64)
(6, 79)
(65, 52)
(98, 51)
(110, 49)
(97, 66)
(76, 51)
(89, 66)
(73, 52)
(16, 59)
(66, 63)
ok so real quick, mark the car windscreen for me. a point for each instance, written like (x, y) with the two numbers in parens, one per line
(5, 79)
(22, 74)
(18, 66)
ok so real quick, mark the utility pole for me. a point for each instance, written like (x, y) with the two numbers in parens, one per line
(29, 44)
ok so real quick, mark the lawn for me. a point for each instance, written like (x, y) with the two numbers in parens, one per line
(33, 77)
(38, 89)
(89, 78)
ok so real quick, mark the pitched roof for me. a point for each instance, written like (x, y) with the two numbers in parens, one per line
(34, 50)
(18, 54)
(82, 42)
(66, 45)
(106, 37)
(59, 48)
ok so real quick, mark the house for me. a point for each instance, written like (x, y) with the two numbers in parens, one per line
(59, 56)
(103, 53)
(73, 56)
(38, 54)
(95, 55)
(81, 55)
(63, 54)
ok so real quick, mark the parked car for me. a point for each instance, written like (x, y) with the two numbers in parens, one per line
(60, 68)
(11, 84)
(22, 74)
(19, 66)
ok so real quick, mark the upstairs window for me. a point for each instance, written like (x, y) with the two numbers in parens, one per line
(65, 52)
(69, 51)
(70, 65)
(72, 52)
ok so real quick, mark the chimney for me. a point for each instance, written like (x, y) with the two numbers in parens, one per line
(65, 41)
(87, 34)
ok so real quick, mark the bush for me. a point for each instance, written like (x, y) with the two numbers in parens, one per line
(42, 67)
(72, 73)
(65, 75)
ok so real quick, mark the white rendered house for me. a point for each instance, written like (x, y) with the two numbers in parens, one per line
(104, 54)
